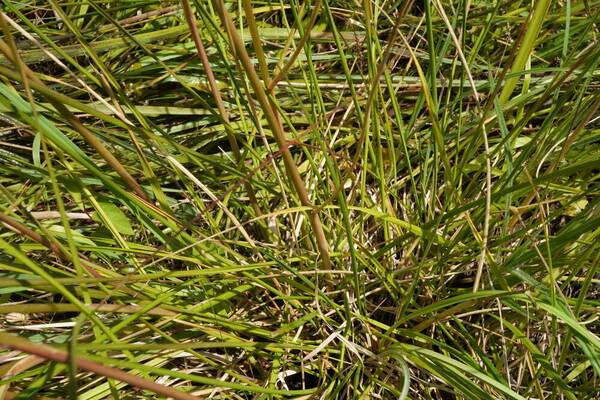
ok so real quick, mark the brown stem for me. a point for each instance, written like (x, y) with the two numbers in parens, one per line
(277, 129)
(189, 16)
(52, 354)
(58, 250)
(36, 237)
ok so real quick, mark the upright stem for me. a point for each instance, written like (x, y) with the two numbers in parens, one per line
(277, 129)
(189, 16)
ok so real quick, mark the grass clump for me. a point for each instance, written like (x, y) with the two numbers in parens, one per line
(330, 200)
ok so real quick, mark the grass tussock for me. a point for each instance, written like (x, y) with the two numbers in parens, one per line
(309, 200)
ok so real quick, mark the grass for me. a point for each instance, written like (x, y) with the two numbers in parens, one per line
(334, 200)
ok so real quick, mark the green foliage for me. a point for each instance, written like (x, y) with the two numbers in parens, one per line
(337, 200)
